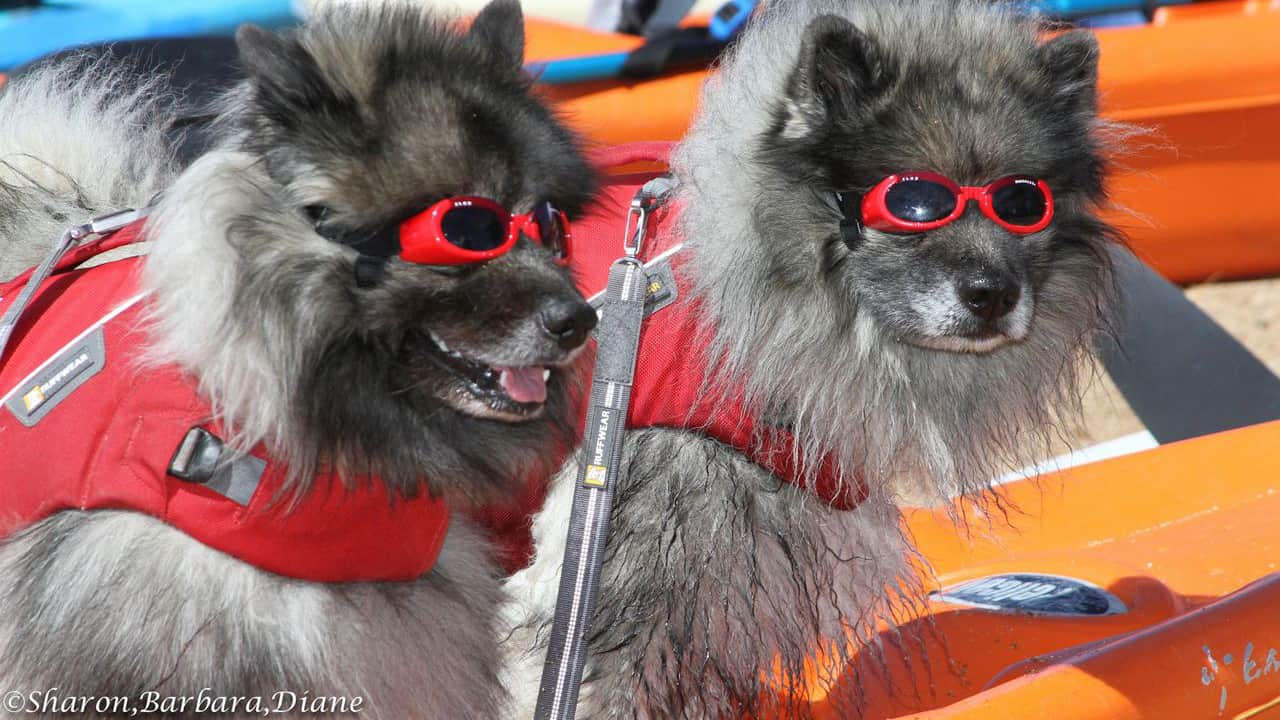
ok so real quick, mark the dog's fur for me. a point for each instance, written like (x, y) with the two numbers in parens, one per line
(714, 571)
(362, 116)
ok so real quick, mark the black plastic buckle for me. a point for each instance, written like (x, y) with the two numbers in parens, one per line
(202, 458)
(197, 456)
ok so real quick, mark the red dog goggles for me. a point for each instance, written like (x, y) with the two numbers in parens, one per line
(921, 201)
(463, 230)
(460, 230)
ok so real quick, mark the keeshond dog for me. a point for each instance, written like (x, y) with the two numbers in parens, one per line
(364, 374)
(889, 212)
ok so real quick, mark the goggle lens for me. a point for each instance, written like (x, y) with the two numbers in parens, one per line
(1021, 202)
(471, 227)
(920, 201)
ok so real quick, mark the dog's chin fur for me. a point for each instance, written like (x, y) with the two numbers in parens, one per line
(720, 581)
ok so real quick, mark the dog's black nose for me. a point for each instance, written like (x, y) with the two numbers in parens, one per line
(989, 295)
(568, 322)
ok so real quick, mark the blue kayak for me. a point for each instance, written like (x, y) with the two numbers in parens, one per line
(28, 33)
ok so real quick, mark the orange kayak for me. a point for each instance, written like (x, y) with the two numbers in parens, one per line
(1184, 537)
(1204, 77)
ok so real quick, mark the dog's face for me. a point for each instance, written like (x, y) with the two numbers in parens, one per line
(310, 330)
(858, 110)
(369, 117)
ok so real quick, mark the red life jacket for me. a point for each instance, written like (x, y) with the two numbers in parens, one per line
(671, 388)
(86, 426)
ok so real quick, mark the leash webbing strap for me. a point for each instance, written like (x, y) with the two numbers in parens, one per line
(618, 340)
(97, 226)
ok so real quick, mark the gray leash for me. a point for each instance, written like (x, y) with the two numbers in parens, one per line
(618, 339)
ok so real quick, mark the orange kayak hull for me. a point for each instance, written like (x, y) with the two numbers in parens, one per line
(1185, 535)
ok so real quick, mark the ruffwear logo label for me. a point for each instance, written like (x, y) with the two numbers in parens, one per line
(597, 473)
(36, 396)
(57, 379)
(33, 398)
(597, 476)
(602, 437)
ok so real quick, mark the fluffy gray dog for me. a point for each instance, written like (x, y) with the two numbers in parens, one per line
(914, 334)
(364, 375)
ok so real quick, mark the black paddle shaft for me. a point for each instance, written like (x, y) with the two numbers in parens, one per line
(1181, 372)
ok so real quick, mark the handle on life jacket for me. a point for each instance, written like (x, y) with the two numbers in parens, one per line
(615, 157)
(77, 244)
(109, 239)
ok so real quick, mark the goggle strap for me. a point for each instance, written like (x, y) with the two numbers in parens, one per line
(383, 244)
(851, 218)
(370, 271)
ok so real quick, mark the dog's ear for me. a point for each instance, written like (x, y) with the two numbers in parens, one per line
(839, 70)
(500, 27)
(1070, 61)
(281, 68)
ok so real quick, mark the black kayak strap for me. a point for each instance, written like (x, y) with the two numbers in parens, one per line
(671, 50)
(617, 343)
(1182, 374)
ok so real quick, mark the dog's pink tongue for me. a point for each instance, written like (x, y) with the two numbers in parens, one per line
(524, 384)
